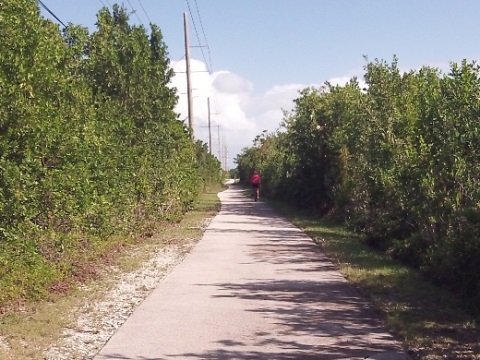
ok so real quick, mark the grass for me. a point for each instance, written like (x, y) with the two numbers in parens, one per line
(28, 332)
(431, 322)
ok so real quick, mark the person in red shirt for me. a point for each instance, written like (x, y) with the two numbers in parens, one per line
(255, 181)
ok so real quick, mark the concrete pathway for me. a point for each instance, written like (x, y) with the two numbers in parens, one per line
(254, 287)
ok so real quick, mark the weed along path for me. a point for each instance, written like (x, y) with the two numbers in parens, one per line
(254, 287)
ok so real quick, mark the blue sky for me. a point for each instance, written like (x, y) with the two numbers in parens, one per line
(262, 52)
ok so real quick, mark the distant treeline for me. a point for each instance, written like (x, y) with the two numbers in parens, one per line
(90, 144)
(398, 160)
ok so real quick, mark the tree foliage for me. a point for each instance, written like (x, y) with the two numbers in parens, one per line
(90, 143)
(398, 160)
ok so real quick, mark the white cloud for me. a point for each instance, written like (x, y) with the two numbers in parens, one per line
(345, 79)
(342, 81)
(241, 113)
(227, 82)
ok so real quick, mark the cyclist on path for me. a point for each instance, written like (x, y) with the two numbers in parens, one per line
(255, 181)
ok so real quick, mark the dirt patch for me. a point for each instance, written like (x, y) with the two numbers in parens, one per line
(94, 322)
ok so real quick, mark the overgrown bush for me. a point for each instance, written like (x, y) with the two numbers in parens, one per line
(90, 144)
(398, 161)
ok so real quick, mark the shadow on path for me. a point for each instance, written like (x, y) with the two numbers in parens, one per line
(316, 314)
(284, 299)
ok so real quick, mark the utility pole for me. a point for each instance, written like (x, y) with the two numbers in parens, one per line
(225, 154)
(189, 84)
(219, 146)
(209, 128)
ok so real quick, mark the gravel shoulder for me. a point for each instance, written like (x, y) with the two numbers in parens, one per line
(98, 317)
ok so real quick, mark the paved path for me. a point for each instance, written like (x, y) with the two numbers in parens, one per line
(254, 287)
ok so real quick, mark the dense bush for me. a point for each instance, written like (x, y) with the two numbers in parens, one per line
(90, 144)
(398, 160)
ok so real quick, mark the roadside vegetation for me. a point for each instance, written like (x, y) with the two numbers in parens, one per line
(395, 162)
(40, 325)
(93, 157)
(432, 322)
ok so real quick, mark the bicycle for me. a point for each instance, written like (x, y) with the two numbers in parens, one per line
(255, 191)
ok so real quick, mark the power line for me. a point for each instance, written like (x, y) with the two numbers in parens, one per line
(149, 20)
(51, 13)
(103, 3)
(208, 63)
(203, 32)
(196, 32)
(135, 12)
